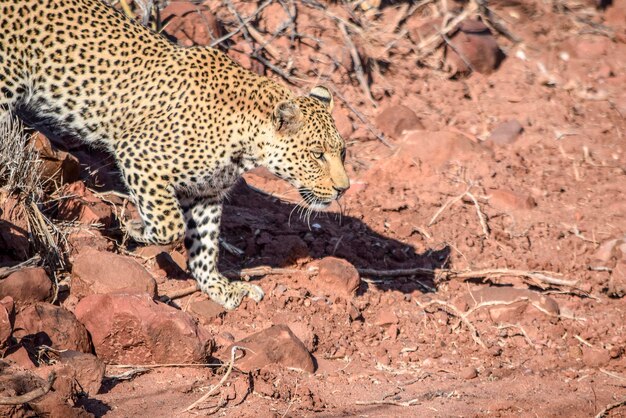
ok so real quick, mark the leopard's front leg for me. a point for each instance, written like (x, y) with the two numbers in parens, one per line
(202, 217)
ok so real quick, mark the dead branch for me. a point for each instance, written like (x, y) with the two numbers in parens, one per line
(260, 39)
(32, 395)
(609, 407)
(447, 204)
(242, 24)
(204, 397)
(481, 216)
(163, 365)
(539, 278)
(411, 402)
(358, 67)
(453, 310)
(6, 271)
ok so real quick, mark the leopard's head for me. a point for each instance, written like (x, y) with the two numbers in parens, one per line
(307, 150)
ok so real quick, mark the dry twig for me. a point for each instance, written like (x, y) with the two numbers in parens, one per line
(609, 407)
(411, 402)
(453, 310)
(358, 66)
(204, 397)
(6, 271)
(32, 395)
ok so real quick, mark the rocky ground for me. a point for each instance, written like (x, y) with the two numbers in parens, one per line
(476, 267)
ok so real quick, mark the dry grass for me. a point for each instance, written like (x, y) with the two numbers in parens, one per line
(19, 161)
(20, 178)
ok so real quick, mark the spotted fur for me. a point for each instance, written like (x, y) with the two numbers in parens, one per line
(182, 123)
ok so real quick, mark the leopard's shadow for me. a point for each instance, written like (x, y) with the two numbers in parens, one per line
(266, 231)
(262, 230)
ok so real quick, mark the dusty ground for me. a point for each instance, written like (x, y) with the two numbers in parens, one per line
(436, 192)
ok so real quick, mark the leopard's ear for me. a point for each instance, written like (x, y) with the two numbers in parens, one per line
(287, 117)
(324, 95)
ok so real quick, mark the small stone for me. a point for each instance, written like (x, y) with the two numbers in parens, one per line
(54, 326)
(385, 317)
(473, 48)
(617, 281)
(337, 277)
(394, 120)
(605, 251)
(135, 329)
(27, 286)
(513, 312)
(595, 357)
(206, 310)
(85, 368)
(80, 205)
(304, 332)
(20, 357)
(275, 345)
(468, 373)
(83, 238)
(56, 166)
(7, 315)
(508, 200)
(14, 239)
(506, 132)
(100, 272)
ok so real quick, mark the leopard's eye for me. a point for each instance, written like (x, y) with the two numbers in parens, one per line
(317, 155)
(343, 155)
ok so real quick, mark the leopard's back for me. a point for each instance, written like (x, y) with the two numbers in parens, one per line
(81, 68)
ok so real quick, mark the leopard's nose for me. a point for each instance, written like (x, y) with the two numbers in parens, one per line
(341, 189)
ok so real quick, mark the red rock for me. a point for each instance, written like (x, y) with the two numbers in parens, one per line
(206, 310)
(152, 251)
(14, 240)
(20, 357)
(605, 251)
(80, 239)
(27, 286)
(337, 277)
(190, 24)
(84, 368)
(473, 48)
(468, 373)
(394, 120)
(136, 329)
(80, 205)
(53, 326)
(56, 166)
(506, 132)
(513, 312)
(385, 317)
(304, 332)
(99, 272)
(15, 381)
(617, 282)
(54, 405)
(7, 316)
(595, 357)
(508, 200)
(275, 345)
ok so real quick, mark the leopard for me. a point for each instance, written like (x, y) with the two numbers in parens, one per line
(183, 123)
